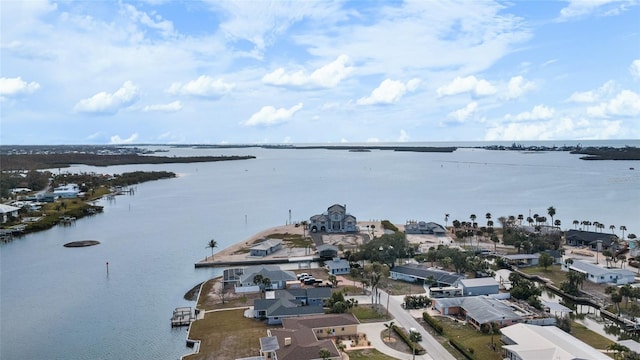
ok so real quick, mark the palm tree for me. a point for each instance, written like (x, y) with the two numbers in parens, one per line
(551, 211)
(324, 354)
(304, 224)
(389, 327)
(576, 223)
(212, 244)
(473, 218)
(446, 220)
(623, 229)
(530, 220)
(520, 218)
(488, 217)
(612, 228)
(557, 223)
(414, 336)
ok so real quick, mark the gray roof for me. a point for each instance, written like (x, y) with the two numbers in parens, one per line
(487, 281)
(521, 256)
(324, 247)
(318, 293)
(267, 244)
(631, 345)
(595, 270)
(339, 264)
(273, 273)
(483, 309)
(423, 272)
(269, 343)
(590, 237)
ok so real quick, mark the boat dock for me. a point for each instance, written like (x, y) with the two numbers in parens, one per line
(182, 316)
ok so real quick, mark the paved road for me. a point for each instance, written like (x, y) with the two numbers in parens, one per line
(402, 318)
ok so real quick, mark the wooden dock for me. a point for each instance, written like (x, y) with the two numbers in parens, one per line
(182, 316)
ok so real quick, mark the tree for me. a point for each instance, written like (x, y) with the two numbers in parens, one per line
(576, 223)
(415, 337)
(545, 260)
(324, 354)
(212, 244)
(304, 224)
(616, 298)
(389, 327)
(446, 220)
(495, 240)
(222, 292)
(333, 280)
(623, 229)
(551, 211)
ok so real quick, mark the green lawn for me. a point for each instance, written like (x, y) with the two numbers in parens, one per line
(227, 335)
(472, 339)
(367, 313)
(552, 273)
(594, 339)
(368, 354)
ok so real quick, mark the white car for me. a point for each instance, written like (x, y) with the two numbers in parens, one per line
(300, 276)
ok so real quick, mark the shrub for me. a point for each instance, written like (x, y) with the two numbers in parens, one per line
(419, 350)
(387, 225)
(435, 324)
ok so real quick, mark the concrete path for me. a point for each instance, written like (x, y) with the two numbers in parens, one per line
(373, 331)
(404, 319)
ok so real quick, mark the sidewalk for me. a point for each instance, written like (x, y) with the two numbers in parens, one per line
(373, 331)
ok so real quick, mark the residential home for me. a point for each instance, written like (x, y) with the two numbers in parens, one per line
(478, 310)
(338, 266)
(309, 296)
(326, 251)
(420, 273)
(334, 220)
(591, 239)
(422, 227)
(532, 342)
(265, 247)
(274, 310)
(67, 191)
(521, 260)
(598, 274)
(302, 338)
(243, 278)
(7, 212)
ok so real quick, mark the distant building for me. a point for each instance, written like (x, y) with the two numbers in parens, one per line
(532, 342)
(242, 278)
(421, 227)
(67, 191)
(265, 247)
(8, 211)
(478, 310)
(521, 260)
(419, 273)
(335, 220)
(478, 286)
(327, 251)
(600, 275)
(590, 239)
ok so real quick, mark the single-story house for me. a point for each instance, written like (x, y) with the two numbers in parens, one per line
(277, 277)
(327, 251)
(265, 247)
(598, 274)
(420, 273)
(334, 220)
(309, 296)
(556, 255)
(533, 342)
(274, 310)
(478, 310)
(590, 239)
(521, 259)
(67, 191)
(338, 266)
(478, 286)
(302, 338)
(422, 227)
(8, 211)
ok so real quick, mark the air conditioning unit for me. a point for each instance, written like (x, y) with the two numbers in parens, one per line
(287, 341)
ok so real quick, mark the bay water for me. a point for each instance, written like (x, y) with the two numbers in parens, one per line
(61, 303)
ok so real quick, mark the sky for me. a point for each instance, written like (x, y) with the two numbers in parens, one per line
(253, 72)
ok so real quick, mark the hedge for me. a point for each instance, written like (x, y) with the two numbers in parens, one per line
(419, 350)
(467, 352)
(435, 324)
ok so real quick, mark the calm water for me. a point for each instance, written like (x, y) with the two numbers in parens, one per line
(60, 303)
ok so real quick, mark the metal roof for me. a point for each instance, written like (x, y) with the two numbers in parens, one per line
(595, 270)
(424, 273)
(482, 309)
(487, 281)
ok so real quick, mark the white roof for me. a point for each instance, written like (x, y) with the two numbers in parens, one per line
(4, 209)
(535, 342)
(595, 270)
(487, 281)
(630, 344)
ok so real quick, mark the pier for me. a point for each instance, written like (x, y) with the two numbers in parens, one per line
(182, 316)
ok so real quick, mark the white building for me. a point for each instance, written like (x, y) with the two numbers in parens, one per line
(599, 275)
(532, 342)
(67, 191)
(7, 211)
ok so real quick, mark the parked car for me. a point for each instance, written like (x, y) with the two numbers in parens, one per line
(301, 275)
(309, 281)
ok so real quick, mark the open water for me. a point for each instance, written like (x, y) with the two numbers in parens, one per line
(60, 303)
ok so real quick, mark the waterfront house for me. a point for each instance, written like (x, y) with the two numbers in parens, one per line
(533, 342)
(521, 260)
(302, 338)
(7, 212)
(327, 251)
(478, 310)
(67, 191)
(420, 273)
(265, 247)
(422, 227)
(243, 278)
(334, 220)
(280, 304)
(338, 266)
(591, 239)
(598, 274)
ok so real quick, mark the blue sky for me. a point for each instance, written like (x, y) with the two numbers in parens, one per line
(220, 72)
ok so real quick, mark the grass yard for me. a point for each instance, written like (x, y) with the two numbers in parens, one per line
(472, 339)
(368, 354)
(552, 273)
(227, 335)
(292, 240)
(592, 338)
(367, 313)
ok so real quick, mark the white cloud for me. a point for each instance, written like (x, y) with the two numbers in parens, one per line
(404, 136)
(556, 129)
(269, 115)
(539, 112)
(327, 76)
(204, 86)
(626, 103)
(106, 103)
(518, 86)
(16, 86)
(164, 26)
(389, 92)
(170, 107)
(634, 69)
(461, 115)
(592, 96)
(478, 87)
(116, 139)
(580, 8)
